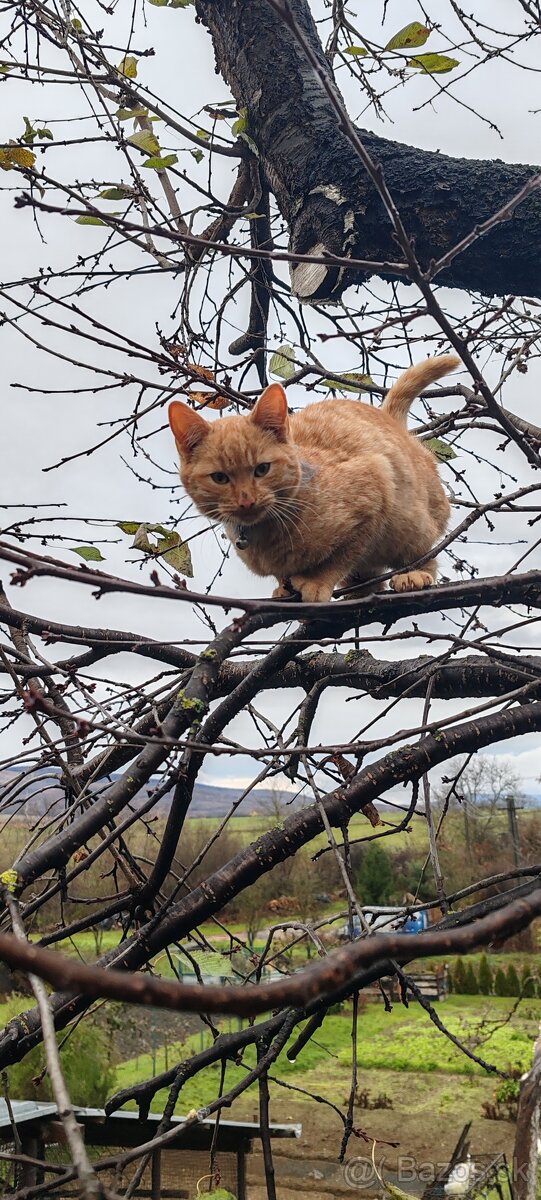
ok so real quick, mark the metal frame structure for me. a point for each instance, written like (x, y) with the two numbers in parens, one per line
(39, 1133)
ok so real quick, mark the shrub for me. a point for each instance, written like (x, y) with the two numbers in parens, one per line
(375, 877)
(527, 982)
(470, 986)
(459, 978)
(500, 983)
(85, 1060)
(485, 979)
(513, 982)
(505, 1105)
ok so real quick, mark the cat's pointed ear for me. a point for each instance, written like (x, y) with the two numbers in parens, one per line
(188, 427)
(270, 411)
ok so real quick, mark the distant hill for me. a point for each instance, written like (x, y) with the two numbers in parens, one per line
(35, 797)
(211, 800)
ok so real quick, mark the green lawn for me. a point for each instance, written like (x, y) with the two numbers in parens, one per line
(84, 944)
(403, 1041)
(247, 828)
(400, 1053)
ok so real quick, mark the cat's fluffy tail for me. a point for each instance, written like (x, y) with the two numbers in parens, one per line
(402, 394)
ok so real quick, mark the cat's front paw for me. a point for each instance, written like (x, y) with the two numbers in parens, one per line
(284, 591)
(410, 581)
(313, 591)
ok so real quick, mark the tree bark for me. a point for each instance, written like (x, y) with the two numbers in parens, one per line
(525, 1158)
(323, 191)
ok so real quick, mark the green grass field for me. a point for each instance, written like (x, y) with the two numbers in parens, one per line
(403, 1041)
(246, 828)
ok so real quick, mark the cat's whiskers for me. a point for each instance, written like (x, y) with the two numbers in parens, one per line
(289, 523)
(275, 515)
(289, 510)
(290, 519)
(286, 513)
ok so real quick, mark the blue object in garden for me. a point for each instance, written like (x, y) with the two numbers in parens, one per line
(416, 923)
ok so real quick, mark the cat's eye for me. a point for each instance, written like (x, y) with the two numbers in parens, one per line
(262, 469)
(220, 477)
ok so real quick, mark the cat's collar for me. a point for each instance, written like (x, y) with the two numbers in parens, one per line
(241, 537)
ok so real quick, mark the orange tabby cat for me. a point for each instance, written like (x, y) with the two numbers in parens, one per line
(337, 493)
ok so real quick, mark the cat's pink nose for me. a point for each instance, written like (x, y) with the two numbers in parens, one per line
(246, 502)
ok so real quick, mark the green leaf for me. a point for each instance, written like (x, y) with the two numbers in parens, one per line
(180, 3)
(16, 156)
(92, 220)
(159, 3)
(282, 362)
(169, 545)
(140, 541)
(202, 133)
(145, 140)
(125, 114)
(408, 37)
(29, 132)
(5, 68)
(128, 67)
(116, 193)
(128, 526)
(352, 381)
(358, 51)
(250, 142)
(155, 163)
(433, 64)
(197, 154)
(441, 450)
(176, 554)
(241, 124)
(89, 553)
(77, 24)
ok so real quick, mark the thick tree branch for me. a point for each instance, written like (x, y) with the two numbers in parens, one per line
(325, 195)
(526, 1152)
(322, 979)
(387, 607)
(476, 675)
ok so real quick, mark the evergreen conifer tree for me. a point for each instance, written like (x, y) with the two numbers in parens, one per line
(471, 985)
(513, 982)
(485, 979)
(459, 978)
(375, 877)
(527, 982)
(500, 983)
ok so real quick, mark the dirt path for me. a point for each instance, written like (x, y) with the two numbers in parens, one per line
(426, 1131)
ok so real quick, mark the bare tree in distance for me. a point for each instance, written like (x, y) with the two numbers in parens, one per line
(482, 784)
(166, 251)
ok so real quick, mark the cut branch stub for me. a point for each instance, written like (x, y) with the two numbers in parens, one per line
(322, 189)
